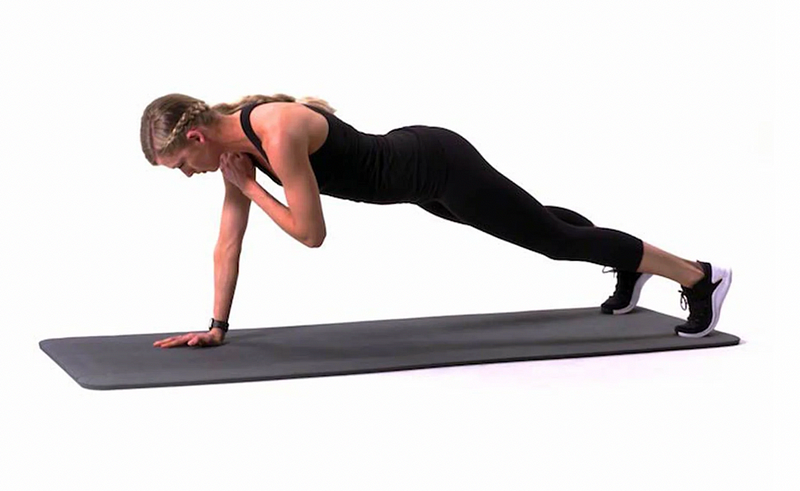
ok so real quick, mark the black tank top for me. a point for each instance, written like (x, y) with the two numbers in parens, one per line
(405, 165)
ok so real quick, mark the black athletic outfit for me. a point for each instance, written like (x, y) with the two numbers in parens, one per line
(440, 171)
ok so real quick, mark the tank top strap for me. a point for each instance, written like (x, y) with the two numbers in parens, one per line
(316, 109)
(255, 140)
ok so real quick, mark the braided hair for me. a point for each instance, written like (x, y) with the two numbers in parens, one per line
(187, 118)
(166, 119)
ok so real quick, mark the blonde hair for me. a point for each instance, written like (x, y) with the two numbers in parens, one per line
(166, 119)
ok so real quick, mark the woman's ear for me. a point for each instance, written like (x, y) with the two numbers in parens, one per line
(196, 134)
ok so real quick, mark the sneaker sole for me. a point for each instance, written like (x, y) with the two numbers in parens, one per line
(717, 274)
(637, 290)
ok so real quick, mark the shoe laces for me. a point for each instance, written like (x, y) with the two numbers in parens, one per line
(698, 309)
(622, 286)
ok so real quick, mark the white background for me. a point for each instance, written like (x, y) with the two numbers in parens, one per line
(673, 121)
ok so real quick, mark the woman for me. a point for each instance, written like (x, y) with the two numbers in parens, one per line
(308, 151)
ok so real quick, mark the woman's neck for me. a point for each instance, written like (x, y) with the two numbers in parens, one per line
(228, 133)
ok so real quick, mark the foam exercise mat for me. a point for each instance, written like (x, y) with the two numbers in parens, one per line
(131, 361)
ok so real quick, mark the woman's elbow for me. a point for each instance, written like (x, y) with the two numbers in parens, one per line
(315, 241)
(314, 244)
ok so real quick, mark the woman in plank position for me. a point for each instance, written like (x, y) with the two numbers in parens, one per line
(303, 147)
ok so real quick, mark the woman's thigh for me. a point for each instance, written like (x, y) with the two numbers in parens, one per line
(478, 194)
(475, 193)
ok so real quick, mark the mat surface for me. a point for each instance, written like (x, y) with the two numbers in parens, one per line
(131, 361)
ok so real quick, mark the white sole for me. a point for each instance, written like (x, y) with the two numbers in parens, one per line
(726, 276)
(637, 290)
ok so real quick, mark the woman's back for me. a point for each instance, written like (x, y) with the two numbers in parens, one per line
(403, 165)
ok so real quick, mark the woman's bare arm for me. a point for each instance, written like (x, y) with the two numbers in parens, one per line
(226, 273)
(235, 213)
(280, 214)
(301, 217)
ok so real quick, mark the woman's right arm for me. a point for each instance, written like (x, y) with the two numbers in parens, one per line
(235, 212)
(226, 272)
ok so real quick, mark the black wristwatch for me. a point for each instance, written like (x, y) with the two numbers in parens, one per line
(215, 323)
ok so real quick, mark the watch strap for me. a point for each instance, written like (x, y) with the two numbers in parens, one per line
(217, 323)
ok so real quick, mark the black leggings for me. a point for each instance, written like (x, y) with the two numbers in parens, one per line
(476, 194)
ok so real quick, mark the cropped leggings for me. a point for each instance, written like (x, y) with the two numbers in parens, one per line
(476, 194)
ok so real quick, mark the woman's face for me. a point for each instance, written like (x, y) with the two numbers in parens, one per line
(195, 158)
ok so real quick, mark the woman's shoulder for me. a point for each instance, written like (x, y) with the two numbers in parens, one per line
(275, 121)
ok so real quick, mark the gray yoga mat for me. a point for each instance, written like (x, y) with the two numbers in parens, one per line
(131, 361)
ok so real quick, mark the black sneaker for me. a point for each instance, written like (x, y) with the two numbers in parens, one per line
(704, 300)
(629, 286)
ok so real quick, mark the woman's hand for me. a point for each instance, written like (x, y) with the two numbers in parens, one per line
(209, 338)
(238, 169)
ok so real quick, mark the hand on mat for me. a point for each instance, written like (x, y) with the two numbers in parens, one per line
(237, 168)
(190, 339)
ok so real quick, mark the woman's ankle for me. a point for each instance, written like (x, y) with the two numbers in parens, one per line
(694, 276)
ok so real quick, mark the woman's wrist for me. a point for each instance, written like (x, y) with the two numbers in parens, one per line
(250, 189)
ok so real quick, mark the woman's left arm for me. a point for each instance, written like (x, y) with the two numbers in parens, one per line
(280, 214)
(288, 156)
